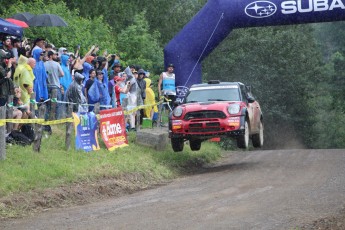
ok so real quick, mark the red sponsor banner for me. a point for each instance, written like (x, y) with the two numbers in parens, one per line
(113, 128)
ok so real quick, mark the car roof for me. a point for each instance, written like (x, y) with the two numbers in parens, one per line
(216, 83)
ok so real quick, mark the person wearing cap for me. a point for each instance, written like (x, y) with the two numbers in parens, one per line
(38, 43)
(54, 72)
(61, 51)
(7, 45)
(120, 88)
(74, 94)
(6, 84)
(116, 69)
(166, 84)
(16, 46)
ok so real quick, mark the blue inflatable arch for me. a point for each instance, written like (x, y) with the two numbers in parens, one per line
(218, 17)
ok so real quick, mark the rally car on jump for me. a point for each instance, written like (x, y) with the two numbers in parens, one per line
(217, 109)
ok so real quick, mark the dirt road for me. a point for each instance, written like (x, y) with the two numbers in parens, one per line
(276, 189)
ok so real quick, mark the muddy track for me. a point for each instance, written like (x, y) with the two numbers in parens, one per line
(275, 189)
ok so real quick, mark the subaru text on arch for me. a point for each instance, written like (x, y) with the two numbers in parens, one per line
(217, 109)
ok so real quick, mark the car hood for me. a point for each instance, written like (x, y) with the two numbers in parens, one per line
(197, 106)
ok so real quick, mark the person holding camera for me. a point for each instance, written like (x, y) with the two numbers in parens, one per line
(6, 84)
(119, 88)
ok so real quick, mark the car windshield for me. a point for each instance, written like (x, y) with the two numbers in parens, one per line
(209, 94)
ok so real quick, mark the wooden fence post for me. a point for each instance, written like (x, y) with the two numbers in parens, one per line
(39, 129)
(32, 105)
(53, 105)
(9, 113)
(96, 108)
(69, 127)
(2, 134)
(137, 120)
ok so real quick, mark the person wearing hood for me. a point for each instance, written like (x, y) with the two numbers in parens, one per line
(40, 82)
(150, 100)
(74, 94)
(98, 92)
(24, 78)
(66, 80)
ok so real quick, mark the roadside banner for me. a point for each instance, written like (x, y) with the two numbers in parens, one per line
(85, 125)
(113, 128)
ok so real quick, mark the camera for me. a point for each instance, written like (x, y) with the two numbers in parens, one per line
(5, 55)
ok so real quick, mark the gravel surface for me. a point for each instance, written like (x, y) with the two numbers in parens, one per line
(275, 189)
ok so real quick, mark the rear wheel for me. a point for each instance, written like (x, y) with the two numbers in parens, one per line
(195, 145)
(243, 139)
(177, 144)
(258, 138)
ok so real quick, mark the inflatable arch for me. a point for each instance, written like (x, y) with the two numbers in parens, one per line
(218, 17)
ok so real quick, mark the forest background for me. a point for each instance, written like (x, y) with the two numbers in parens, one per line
(296, 72)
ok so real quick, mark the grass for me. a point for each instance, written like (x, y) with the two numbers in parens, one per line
(24, 170)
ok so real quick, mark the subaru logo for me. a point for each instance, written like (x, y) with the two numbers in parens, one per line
(181, 91)
(260, 9)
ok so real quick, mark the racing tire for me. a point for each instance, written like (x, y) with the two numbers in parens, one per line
(177, 144)
(195, 145)
(258, 138)
(243, 139)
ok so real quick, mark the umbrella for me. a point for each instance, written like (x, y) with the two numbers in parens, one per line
(47, 20)
(9, 28)
(17, 22)
(25, 16)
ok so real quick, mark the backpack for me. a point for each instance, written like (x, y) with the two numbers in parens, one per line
(28, 131)
(19, 138)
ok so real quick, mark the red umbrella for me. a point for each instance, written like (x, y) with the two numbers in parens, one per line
(17, 22)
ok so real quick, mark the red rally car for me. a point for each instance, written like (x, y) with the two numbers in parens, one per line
(217, 109)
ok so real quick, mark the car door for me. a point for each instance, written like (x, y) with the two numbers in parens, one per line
(253, 108)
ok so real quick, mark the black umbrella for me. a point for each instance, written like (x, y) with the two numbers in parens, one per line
(47, 20)
(25, 16)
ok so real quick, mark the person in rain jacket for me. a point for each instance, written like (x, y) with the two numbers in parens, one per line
(40, 83)
(66, 80)
(74, 93)
(150, 100)
(24, 78)
(98, 92)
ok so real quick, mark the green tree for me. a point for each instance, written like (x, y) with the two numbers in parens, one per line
(167, 17)
(82, 31)
(139, 46)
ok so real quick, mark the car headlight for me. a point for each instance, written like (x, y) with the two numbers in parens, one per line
(234, 108)
(178, 112)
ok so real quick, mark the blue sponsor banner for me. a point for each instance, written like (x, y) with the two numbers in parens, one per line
(86, 128)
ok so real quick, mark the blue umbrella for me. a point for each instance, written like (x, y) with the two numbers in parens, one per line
(10, 28)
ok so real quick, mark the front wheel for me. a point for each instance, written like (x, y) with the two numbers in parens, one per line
(177, 144)
(195, 145)
(258, 138)
(243, 140)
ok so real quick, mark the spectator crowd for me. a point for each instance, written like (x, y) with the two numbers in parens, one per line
(40, 68)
